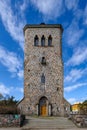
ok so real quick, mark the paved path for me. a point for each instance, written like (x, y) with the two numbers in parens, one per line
(42, 129)
(58, 123)
(48, 123)
(10, 128)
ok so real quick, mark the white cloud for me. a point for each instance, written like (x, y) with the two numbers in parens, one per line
(4, 90)
(73, 33)
(52, 9)
(24, 5)
(78, 57)
(71, 88)
(21, 7)
(20, 89)
(49, 8)
(20, 74)
(75, 74)
(72, 100)
(77, 100)
(12, 23)
(78, 14)
(16, 89)
(11, 91)
(11, 62)
(71, 4)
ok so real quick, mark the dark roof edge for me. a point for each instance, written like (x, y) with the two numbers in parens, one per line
(42, 26)
(20, 101)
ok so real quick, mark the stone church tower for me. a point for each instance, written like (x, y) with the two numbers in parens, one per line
(43, 71)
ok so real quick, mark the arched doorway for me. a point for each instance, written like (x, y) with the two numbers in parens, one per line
(43, 106)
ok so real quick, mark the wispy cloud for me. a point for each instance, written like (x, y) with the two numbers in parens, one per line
(79, 56)
(75, 74)
(73, 33)
(10, 90)
(24, 5)
(78, 14)
(20, 74)
(71, 88)
(17, 89)
(11, 21)
(21, 7)
(72, 100)
(11, 62)
(49, 7)
(71, 5)
(4, 90)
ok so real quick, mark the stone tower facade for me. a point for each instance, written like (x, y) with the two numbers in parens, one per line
(43, 71)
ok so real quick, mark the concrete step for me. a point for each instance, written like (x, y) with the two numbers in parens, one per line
(48, 123)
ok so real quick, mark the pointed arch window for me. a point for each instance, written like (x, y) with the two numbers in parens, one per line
(49, 40)
(43, 41)
(36, 41)
(43, 78)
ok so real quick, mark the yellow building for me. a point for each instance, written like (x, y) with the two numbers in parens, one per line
(75, 108)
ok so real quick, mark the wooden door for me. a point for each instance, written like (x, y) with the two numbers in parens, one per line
(43, 110)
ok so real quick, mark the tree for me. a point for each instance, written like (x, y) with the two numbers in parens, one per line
(11, 101)
(7, 100)
(8, 105)
(1, 96)
(83, 107)
(85, 101)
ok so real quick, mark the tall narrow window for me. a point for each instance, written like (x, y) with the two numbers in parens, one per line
(50, 41)
(43, 41)
(43, 61)
(36, 41)
(43, 79)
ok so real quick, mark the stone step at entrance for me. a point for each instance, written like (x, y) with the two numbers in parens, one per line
(48, 123)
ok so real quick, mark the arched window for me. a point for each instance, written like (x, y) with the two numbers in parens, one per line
(36, 41)
(43, 61)
(50, 41)
(43, 41)
(43, 79)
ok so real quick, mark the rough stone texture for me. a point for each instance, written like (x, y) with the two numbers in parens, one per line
(66, 108)
(33, 69)
(79, 120)
(9, 120)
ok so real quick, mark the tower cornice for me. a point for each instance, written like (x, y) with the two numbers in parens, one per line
(42, 26)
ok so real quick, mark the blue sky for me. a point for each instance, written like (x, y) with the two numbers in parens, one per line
(14, 14)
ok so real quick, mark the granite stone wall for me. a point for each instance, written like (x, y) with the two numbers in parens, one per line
(34, 90)
(79, 119)
(8, 120)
